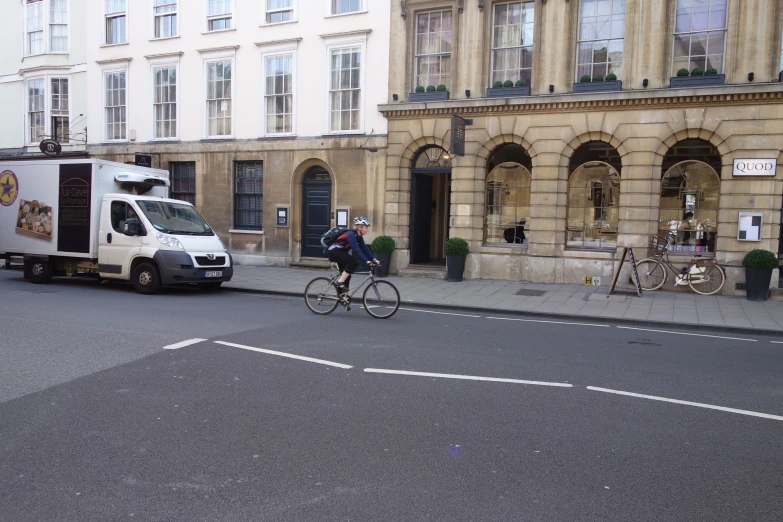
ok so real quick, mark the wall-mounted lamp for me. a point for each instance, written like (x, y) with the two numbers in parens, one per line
(751, 76)
(645, 82)
(467, 93)
(551, 88)
(395, 97)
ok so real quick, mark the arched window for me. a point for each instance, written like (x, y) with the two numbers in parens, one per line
(317, 174)
(593, 206)
(508, 204)
(689, 205)
(432, 157)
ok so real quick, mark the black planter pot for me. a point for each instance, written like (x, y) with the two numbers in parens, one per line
(428, 96)
(455, 267)
(603, 86)
(757, 283)
(385, 259)
(508, 92)
(706, 80)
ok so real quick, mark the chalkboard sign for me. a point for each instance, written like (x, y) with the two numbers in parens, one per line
(635, 274)
(633, 267)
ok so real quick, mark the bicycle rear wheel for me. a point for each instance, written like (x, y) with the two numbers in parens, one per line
(321, 296)
(710, 282)
(652, 274)
(381, 299)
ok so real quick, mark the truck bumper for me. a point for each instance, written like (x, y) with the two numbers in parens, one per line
(176, 268)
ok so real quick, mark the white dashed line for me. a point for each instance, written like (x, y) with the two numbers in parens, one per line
(183, 344)
(543, 321)
(777, 342)
(688, 403)
(439, 313)
(467, 377)
(283, 354)
(685, 333)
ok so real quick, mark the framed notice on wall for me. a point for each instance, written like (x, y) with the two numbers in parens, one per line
(749, 228)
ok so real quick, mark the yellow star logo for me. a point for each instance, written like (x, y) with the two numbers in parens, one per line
(9, 188)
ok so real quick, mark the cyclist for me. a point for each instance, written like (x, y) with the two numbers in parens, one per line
(351, 240)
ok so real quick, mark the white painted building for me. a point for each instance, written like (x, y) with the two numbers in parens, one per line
(43, 75)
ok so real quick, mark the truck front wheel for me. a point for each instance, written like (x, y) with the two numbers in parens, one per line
(146, 278)
(40, 271)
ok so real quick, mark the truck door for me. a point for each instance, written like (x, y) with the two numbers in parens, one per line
(115, 249)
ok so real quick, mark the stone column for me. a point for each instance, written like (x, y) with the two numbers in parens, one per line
(640, 193)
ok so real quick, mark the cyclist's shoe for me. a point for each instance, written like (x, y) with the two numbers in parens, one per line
(341, 287)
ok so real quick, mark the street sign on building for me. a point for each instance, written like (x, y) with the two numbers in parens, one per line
(143, 160)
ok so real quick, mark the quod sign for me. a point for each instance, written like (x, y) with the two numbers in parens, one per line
(754, 167)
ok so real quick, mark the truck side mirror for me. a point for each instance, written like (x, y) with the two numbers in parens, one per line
(133, 227)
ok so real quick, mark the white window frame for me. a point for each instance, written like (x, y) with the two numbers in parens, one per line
(331, 14)
(208, 18)
(155, 17)
(104, 73)
(417, 56)
(265, 11)
(608, 39)
(725, 30)
(212, 58)
(168, 63)
(286, 50)
(344, 43)
(47, 29)
(107, 16)
(49, 109)
(27, 136)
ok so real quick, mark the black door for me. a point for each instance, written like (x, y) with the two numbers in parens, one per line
(421, 217)
(316, 218)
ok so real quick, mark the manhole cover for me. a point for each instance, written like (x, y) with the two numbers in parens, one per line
(534, 293)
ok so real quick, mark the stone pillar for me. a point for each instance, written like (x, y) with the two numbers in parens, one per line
(753, 29)
(649, 39)
(640, 193)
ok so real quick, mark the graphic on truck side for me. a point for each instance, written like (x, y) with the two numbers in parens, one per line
(34, 220)
(9, 188)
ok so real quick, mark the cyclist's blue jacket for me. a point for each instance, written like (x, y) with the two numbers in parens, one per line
(350, 240)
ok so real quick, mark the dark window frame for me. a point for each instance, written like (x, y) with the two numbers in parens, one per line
(248, 196)
(176, 169)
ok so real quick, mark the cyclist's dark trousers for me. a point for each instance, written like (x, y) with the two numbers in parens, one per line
(345, 261)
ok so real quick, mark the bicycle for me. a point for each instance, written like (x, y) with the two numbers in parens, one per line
(704, 276)
(322, 297)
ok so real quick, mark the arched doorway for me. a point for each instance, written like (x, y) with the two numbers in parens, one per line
(316, 210)
(430, 201)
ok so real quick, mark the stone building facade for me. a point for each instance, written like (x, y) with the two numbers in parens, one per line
(555, 182)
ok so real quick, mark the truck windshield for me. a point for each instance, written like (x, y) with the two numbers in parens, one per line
(175, 218)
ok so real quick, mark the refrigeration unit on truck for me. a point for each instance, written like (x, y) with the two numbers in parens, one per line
(104, 219)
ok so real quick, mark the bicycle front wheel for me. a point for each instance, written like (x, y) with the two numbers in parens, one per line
(710, 282)
(381, 299)
(321, 296)
(652, 274)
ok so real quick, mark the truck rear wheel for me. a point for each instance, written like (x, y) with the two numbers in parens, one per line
(146, 278)
(40, 271)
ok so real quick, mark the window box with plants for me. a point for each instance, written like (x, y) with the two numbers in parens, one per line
(759, 265)
(431, 93)
(382, 247)
(457, 250)
(508, 89)
(597, 83)
(697, 78)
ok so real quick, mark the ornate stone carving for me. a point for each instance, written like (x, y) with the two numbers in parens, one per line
(460, 5)
(481, 5)
(403, 9)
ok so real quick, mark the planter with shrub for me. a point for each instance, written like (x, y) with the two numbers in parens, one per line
(759, 265)
(598, 83)
(431, 93)
(697, 78)
(457, 250)
(508, 89)
(382, 247)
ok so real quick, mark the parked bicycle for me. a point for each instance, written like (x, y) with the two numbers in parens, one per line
(704, 276)
(381, 299)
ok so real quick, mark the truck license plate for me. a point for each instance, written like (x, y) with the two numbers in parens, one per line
(213, 274)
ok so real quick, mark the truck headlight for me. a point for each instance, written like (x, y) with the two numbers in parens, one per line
(169, 241)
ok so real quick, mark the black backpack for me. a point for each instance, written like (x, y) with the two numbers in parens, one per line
(331, 236)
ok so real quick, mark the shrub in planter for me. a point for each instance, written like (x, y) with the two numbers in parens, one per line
(430, 88)
(759, 265)
(683, 72)
(441, 88)
(712, 71)
(508, 83)
(598, 77)
(520, 83)
(497, 85)
(611, 77)
(698, 71)
(585, 79)
(456, 251)
(382, 247)
(420, 88)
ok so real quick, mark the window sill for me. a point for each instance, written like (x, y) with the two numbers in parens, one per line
(282, 135)
(164, 38)
(115, 44)
(165, 140)
(500, 248)
(352, 13)
(243, 231)
(218, 138)
(345, 133)
(220, 31)
(594, 253)
(115, 142)
(272, 24)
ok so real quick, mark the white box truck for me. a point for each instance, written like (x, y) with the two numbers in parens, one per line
(105, 219)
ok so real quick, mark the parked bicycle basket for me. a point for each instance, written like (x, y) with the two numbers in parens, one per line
(656, 246)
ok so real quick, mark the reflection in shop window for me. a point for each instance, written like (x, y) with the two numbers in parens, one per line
(689, 206)
(593, 206)
(508, 204)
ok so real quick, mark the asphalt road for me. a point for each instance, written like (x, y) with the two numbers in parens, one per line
(99, 422)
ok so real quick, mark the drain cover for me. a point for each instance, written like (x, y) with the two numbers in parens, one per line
(534, 293)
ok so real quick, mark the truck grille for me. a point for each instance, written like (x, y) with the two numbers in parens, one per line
(204, 261)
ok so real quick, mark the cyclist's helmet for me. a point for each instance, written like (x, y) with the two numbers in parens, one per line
(361, 220)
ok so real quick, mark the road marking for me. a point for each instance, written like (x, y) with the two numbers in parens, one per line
(283, 354)
(183, 344)
(688, 403)
(777, 342)
(439, 313)
(543, 321)
(467, 377)
(685, 333)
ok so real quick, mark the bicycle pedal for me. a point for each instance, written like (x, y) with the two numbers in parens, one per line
(347, 308)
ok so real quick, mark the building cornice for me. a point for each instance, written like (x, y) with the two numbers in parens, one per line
(657, 99)
(176, 54)
(114, 60)
(42, 68)
(360, 32)
(279, 42)
(218, 49)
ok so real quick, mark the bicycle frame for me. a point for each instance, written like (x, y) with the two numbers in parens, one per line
(681, 276)
(370, 278)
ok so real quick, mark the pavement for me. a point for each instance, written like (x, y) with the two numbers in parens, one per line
(661, 308)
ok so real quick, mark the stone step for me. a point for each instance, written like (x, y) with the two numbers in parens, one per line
(427, 273)
(312, 263)
(776, 294)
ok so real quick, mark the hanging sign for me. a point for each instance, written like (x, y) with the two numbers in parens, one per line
(457, 145)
